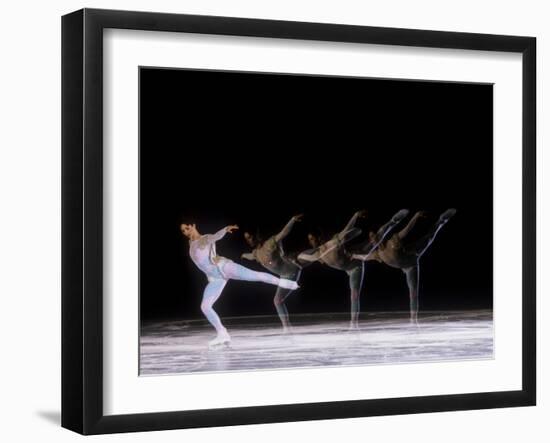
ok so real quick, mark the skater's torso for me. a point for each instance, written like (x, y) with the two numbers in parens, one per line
(203, 253)
(334, 254)
(272, 257)
(396, 254)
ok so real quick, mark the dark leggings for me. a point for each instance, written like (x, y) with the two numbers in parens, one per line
(279, 300)
(412, 273)
(412, 276)
(355, 275)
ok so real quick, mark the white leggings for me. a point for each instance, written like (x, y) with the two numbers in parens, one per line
(214, 288)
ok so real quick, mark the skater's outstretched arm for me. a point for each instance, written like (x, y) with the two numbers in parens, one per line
(335, 242)
(350, 227)
(221, 233)
(312, 255)
(248, 256)
(403, 233)
(288, 227)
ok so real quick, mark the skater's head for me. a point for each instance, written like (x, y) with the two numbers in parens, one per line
(251, 239)
(316, 236)
(189, 231)
(313, 239)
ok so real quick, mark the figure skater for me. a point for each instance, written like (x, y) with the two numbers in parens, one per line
(335, 254)
(272, 256)
(218, 270)
(399, 251)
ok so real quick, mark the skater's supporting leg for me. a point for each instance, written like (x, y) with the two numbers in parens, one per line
(282, 311)
(412, 275)
(235, 271)
(211, 293)
(355, 285)
(279, 301)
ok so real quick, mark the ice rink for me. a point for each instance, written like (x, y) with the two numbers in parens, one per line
(173, 347)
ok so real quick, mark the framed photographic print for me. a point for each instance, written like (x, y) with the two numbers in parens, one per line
(268, 221)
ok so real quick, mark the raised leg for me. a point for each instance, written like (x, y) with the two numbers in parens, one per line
(235, 271)
(412, 275)
(367, 249)
(424, 242)
(211, 293)
(355, 285)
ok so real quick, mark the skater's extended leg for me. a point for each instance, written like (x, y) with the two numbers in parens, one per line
(235, 271)
(412, 275)
(384, 230)
(369, 247)
(211, 293)
(355, 285)
(424, 243)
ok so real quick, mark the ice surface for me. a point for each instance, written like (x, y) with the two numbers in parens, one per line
(174, 347)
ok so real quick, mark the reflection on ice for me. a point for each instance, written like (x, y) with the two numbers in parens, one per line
(318, 340)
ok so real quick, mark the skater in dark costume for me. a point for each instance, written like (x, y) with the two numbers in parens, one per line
(401, 252)
(272, 256)
(218, 270)
(335, 254)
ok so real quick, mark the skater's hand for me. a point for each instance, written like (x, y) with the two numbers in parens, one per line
(362, 213)
(231, 228)
(422, 214)
(298, 217)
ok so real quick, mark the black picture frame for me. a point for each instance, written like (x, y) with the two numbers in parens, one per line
(82, 220)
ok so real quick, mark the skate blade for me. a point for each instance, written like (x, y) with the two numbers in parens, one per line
(219, 346)
(288, 337)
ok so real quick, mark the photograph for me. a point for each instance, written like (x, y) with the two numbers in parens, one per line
(283, 218)
(295, 221)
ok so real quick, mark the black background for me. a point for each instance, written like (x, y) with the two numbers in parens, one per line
(254, 149)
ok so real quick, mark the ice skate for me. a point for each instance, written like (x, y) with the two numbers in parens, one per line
(353, 326)
(400, 215)
(223, 340)
(288, 331)
(288, 284)
(445, 217)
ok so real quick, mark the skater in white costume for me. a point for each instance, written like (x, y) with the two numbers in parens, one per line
(218, 270)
